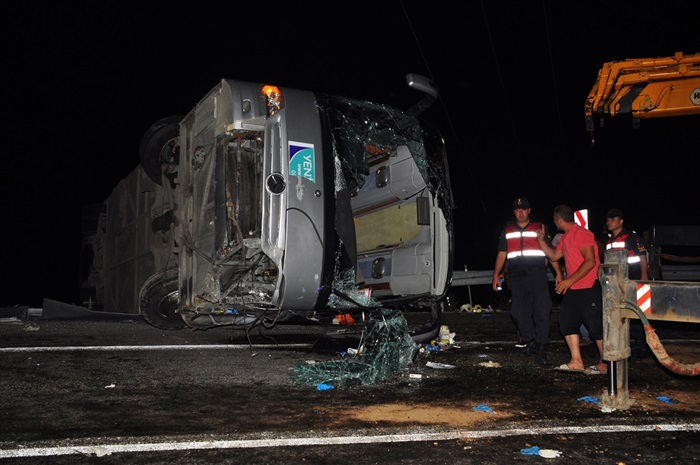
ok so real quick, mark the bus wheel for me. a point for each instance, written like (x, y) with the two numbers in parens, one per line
(159, 146)
(158, 301)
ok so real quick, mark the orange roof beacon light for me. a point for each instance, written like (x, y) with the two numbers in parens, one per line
(275, 101)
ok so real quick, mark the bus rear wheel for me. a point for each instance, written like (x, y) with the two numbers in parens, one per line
(158, 301)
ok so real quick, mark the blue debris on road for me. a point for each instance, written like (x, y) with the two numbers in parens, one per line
(483, 408)
(534, 450)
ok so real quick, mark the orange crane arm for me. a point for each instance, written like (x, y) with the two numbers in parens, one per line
(645, 88)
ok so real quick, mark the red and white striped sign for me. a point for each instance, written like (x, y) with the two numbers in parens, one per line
(644, 297)
(581, 218)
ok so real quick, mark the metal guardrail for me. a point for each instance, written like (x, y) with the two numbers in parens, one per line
(690, 273)
(680, 272)
(471, 278)
(479, 277)
(669, 273)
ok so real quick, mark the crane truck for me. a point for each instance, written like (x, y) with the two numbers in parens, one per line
(267, 204)
(644, 88)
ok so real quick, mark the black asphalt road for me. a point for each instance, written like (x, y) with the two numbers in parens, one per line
(115, 390)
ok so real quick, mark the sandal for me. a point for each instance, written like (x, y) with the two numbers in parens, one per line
(566, 367)
(593, 370)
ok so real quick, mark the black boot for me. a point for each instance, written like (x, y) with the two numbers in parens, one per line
(529, 349)
(541, 356)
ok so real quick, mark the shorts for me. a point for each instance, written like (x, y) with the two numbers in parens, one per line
(582, 306)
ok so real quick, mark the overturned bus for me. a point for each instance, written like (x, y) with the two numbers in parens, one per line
(268, 204)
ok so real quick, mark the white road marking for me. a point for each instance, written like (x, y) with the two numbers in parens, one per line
(156, 347)
(132, 444)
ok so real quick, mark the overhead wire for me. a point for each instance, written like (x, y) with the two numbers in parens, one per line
(554, 81)
(508, 113)
(460, 149)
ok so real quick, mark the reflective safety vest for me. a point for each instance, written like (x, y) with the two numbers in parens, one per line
(619, 243)
(523, 243)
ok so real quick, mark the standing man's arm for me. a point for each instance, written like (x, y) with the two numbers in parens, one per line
(552, 253)
(640, 250)
(498, 270)
(556, 266)
(601, 249)
(645, 267)
(558, 276)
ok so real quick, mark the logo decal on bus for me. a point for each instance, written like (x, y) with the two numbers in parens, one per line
(302, 160)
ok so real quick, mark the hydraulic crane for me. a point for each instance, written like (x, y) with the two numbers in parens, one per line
(644, 88)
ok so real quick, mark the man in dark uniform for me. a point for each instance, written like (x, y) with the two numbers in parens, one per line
(525, 265)
(621, 238)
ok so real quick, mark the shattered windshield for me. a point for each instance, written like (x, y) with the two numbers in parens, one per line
(364, 131)
(386, 350)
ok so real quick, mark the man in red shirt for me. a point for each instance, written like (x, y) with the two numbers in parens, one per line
(583, 297)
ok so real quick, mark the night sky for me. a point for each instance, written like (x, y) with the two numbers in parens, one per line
(81, 83)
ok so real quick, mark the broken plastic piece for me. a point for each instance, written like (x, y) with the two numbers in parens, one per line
(490, 364)
(549, 453)
(441, 366)
(534, 450)
(432, 347)
(344, 319)
(483, 408)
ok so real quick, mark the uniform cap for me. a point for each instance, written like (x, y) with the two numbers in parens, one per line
(521, 203)
(615, 212)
